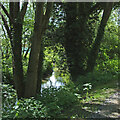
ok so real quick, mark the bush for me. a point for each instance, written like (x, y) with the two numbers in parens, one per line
(9, 97)
(50, 103)
(95, 79)
(109, 66)
(23, 108)
(29, 108)
(58, 99)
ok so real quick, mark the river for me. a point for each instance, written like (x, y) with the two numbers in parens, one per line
(52, 82)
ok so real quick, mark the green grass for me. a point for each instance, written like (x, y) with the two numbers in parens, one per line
(101, 92)
(95, 98)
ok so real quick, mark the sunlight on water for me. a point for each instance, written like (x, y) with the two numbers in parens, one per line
(52, 82)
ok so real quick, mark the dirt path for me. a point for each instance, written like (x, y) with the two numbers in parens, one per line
(110, 108)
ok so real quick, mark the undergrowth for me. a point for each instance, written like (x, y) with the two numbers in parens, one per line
(54, 102)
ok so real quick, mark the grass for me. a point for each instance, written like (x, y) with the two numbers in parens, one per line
(94, 99)
(101, 92)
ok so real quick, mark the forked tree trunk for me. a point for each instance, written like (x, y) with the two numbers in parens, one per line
(75, 35)
(41, 21)
(31, 81)
(16, 18)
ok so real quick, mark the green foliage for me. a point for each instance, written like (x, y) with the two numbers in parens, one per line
(50, 104)
(29, 108)
(26, 108)
(95, 79)
(47, 69)
(23, 108)
(110, 66)
(55, 58)
(58, 99)
(109, 50)
(9, 98)
(6, 60)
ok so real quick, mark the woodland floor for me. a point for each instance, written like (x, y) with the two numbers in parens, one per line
(108, 107)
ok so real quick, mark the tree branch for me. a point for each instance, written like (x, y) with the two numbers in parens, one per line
(7, 28)
(94, 8)
(11, 9)
(23, 10)
(39, 15)
(95, 48)
(48, 10)
(47, 14)
(6, 12)
(4, 31)
(16, 9)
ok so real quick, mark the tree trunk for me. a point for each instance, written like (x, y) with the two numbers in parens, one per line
(17, 60)
(31, 81)
(41, 22)
(94, 51)
(74, 38)
(40, 72)
(16, 18)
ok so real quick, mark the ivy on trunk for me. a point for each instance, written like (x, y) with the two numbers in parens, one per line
(81, 57)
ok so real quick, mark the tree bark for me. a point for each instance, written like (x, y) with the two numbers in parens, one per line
(94, 51)
(74, 38)
(17, 60)
(40, 70)
(41, 21)
(31, 81)
(16, 17)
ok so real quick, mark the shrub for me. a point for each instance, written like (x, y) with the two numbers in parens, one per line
(50, 103)
(29, 108)
(95, 78)
(58, 99)
(9, 97)
(109, 66)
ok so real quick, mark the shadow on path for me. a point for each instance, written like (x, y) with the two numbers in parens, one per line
(110, 108)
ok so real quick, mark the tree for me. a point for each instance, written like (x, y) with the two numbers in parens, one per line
(25, 87)
(94, 51)
(81, 48)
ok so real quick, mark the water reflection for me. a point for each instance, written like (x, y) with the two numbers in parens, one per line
(52, 82)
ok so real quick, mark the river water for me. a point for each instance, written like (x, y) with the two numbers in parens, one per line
(52, 82)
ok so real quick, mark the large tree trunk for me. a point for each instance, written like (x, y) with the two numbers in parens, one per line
(31, 81)
(40, 70)
(94, 51)
(41, 21)
(74, 38)
(16, 18)
(16, 23)
(17, 60)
